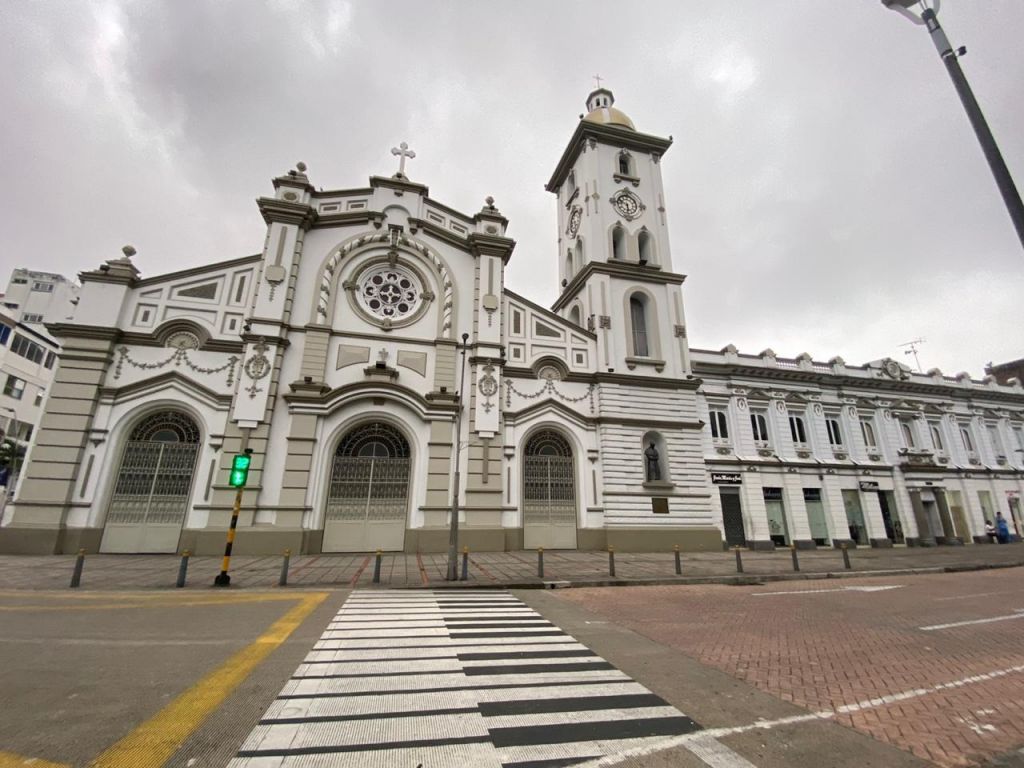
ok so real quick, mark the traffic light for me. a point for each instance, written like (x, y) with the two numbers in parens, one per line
(239, 470)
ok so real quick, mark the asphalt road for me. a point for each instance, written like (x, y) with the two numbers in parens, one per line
(895, 671)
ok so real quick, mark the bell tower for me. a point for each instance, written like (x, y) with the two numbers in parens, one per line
(615, 262)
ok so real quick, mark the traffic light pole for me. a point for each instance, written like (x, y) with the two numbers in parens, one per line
(238, 477)
(223, 580)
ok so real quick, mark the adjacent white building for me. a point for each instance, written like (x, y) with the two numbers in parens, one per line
(338, 354)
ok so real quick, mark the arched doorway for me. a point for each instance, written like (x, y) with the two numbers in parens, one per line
(549, 492)
(367, 501)
(153, 486)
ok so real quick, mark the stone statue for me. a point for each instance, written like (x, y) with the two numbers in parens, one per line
(653, 466)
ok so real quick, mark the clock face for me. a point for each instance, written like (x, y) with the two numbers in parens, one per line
(627, 204)
(574, 221)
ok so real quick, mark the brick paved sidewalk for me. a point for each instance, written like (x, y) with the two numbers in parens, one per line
(401, 570)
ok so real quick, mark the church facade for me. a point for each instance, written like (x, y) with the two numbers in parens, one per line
(342, 355)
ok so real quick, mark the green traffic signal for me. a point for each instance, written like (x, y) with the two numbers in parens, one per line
(239, 470)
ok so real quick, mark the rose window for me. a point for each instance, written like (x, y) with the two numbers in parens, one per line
(389, 293)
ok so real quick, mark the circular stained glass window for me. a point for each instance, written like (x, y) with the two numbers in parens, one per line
(389, 293)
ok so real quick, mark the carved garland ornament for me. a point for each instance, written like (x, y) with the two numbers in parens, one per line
(549, 389)
(257, 367)
(488, 386)
(178, 358)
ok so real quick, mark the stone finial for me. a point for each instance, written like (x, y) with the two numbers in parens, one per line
(804, 356)
(963, 377)
(837, 361)
(769, 352)
(300, 166)
(129, 251)
(490, 201)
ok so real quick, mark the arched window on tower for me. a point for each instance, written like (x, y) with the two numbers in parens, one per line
(575, 316)
(568, 265)
(579, 254)
(571, 186)
(645, 244)
(625, 167)
(638, 325)
(619, 243)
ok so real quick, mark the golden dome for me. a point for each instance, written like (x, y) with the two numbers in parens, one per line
(610, 116)
(601, 109)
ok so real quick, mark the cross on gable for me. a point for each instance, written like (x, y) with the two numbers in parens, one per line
(598, 78)
(403, 152)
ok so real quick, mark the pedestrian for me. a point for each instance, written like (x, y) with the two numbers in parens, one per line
(990, 531)
(1002, 529)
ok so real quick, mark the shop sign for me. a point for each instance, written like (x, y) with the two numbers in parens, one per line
(726, 478)
(869, 485)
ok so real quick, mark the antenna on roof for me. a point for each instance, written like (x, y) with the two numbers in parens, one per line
(913, 350)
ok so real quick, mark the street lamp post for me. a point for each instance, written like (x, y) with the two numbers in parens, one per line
(929, 19)
(453, 526)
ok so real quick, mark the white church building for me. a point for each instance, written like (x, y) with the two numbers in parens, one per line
(336, 356)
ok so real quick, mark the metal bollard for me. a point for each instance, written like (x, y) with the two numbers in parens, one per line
(540, 562)
(846, 557)
(739, 560)
(465, 564)
(76, 577)
(376, 568)
(679, 562)
(182, 569)
(796, 560)
(611, 560)
(283, 580)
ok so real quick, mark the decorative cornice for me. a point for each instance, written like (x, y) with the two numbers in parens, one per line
(629, 270)
(491, 245)
(550, 315)
(345, 218)
(402, 185)
(166, 378)
(197, 271)
(440, 233)
(300, 214)
(607, 134)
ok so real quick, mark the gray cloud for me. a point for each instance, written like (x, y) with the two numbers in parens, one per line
(825, 192)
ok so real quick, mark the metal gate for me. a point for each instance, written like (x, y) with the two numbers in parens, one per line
(549, 493)
(732, 518)
(367, 502)
(153, 486)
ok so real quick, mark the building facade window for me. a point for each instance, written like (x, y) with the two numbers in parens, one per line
(936, 432)
(19, 281)
(27, 349)
(835, 433)
(907, 433)
(719, 425)
(638, 323)
(39, 397)
(998, 449)
(14, 387)
(867, 430)
(5, 334)
(31, 317)
(618, 243)
(759, 426)
(38, 285)
(645, 247)
(965, 435)
(798, 431)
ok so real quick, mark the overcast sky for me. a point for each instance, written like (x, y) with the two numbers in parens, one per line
(825, 191)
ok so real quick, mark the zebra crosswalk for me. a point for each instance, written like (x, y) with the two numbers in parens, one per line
(453, 678)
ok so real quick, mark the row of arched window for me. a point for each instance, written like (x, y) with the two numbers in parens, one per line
(624, 247)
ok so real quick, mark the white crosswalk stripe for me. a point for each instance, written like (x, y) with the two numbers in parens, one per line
(445, 678)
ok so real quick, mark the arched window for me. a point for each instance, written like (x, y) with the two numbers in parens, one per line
(568, 265)
(798, 431)
(965, 433)
(619, 243)
(936, 437)
(571, 186)
(638, 325)
(625, 164)
(645, 244)
(578, 254)
(574, 316)
(907, 432)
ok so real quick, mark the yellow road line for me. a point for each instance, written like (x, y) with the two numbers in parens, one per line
(10, 760)
(153, 742)
(154, 595)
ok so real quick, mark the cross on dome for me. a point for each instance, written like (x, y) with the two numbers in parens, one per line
(598, 78)
(403, 152)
